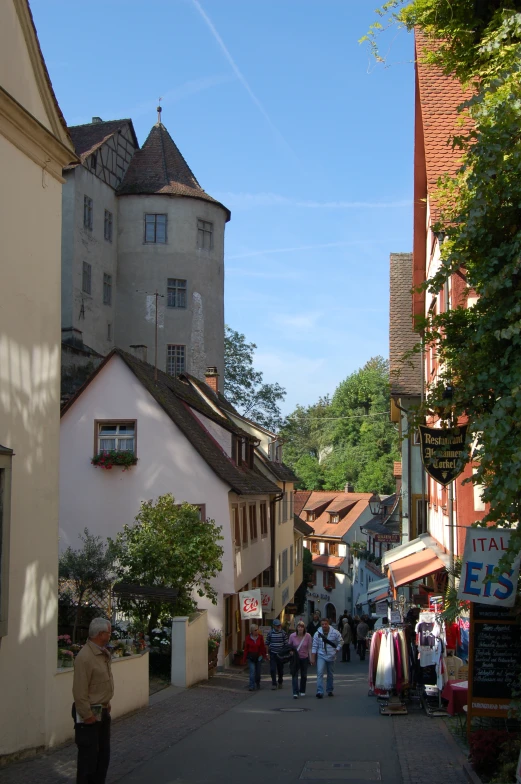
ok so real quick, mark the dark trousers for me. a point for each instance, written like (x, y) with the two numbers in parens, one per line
(276, 668)
(346, 652)
(93, 742)
(360, 648)
(301, 665)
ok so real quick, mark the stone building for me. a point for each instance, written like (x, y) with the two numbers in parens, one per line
(143, 253)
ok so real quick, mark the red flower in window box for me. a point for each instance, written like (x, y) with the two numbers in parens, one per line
(329, 587)
(114, 457)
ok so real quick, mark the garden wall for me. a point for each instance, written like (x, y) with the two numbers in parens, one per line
(130, 693)
(190, 649)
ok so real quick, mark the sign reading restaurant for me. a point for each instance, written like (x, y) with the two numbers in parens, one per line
(443, 452)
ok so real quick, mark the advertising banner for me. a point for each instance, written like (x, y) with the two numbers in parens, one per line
(443, 452)
(267, 599)
(250, 603)
(484, 548)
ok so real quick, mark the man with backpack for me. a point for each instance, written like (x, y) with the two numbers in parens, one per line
(277, 642)
(326, 644)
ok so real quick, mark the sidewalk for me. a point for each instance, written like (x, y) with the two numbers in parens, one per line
(218, 731)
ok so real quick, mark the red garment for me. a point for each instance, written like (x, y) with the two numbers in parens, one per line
(254, 646)
(453, 635)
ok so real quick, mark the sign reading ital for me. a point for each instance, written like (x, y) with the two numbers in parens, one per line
(444, 453)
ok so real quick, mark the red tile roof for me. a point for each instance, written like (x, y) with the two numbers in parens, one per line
(405, 375)
(440, 96)
(322, 525)
(159, 168)
(328, 561)
(300, 500)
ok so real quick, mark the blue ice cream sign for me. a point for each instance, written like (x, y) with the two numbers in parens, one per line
(484, 548)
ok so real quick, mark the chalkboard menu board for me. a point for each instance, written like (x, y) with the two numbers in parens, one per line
(496, 660)
(490, 612)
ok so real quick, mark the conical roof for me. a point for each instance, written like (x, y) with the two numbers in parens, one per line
(159, 168)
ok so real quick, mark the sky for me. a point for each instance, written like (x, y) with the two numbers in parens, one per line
(284, 117)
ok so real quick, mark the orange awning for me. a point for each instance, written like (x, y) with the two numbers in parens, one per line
(414, 567)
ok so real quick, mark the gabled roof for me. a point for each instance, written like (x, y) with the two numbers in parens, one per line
(280, 470)
(300, 500)
(322, 525)
(301, 526)
(159, 168)
(405, 375)
(440, 96)
(89, 137)
(177, 398)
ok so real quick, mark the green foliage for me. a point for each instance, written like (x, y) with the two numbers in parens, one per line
(244, 386)
(169, 546)
(348, 438)
(89, 569)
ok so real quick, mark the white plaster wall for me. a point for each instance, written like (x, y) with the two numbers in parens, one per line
(30, 226)
(251, 560)
(143, 268)
(190, 650)
(103, 501)
(131, 689)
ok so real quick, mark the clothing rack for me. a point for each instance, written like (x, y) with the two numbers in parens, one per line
(431, 694)
(389, 668)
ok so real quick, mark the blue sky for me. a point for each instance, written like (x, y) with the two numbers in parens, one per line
(281, 115)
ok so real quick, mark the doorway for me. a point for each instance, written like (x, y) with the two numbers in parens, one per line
(330, 612)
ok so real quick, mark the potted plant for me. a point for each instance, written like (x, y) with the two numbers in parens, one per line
(237, 657)
(214, 640)
(114, 457)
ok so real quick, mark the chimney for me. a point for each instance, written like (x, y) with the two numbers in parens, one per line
(212, 378)
(96, 120)
(139, 351)
(348, 488)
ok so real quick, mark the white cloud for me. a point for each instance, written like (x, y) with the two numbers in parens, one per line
(265, 274)
(321, 246)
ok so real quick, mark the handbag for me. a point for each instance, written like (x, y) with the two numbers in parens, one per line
(285, 654)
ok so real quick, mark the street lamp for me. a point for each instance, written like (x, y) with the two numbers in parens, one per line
(375, 504)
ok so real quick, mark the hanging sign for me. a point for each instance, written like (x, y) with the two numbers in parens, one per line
(392, 538)
(484, 548)
(250, 603)
(267, 599)
(443, 452)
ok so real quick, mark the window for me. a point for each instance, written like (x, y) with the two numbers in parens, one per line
(264, 519)
(334, 518)
(253, 522)
(120, 436)
(311, 517)
(277, 576)
(107, 231)
(284, 507)
(244, 526)
(267, 578)
(176, 293)
(329, 579)
(109, 330)
(332, 549)
(87, 212)
(155, 228)
(236, 527)
(86, 284)
(314, 577)
(107, 289)
(204, 235)
(315, 548)
(93, 161)
(175, 360)
(284, 566)
(5, 507)
(291, 559)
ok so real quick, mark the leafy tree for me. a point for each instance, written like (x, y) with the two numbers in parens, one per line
(244, 386)
(479, 347)
(305, 443)
(169, 546)
(88, 569)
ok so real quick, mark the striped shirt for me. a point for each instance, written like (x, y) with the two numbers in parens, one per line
(276, 641)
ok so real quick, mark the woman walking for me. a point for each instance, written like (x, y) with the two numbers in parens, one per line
(254, 653)
(301, 641)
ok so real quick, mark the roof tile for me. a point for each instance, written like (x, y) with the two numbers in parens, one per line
(405, 374)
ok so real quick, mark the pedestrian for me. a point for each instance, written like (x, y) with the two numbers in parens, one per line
(93, 689)
(341, 620)
(347, 637)
(362, 630)
(301, 641)
(277, 641)
(254, 654)
(326, 644)
(314, 624)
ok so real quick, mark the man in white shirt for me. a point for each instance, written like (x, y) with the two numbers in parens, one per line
(326, 644)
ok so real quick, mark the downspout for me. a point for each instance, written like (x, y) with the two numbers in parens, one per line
(273, 527)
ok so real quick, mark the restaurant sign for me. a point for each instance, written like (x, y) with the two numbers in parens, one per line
(267, 598)
(443, 452)
(250, 603)
(393, 538)
(484, 548)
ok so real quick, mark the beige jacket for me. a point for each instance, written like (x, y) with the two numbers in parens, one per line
(93, 683)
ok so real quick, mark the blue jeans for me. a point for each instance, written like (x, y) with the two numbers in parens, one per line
(255, 673)
(322, 665)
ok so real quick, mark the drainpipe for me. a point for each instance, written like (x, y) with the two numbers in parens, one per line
(273, 527)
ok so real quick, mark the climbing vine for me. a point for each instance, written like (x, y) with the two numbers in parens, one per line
(479, 214)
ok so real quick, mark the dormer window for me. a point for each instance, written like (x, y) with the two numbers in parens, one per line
(334, 518)
(311, 517)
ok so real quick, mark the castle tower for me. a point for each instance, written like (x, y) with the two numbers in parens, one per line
(170, 242)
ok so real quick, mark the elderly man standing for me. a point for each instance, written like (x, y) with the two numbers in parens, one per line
(93, 689)
(326, 644)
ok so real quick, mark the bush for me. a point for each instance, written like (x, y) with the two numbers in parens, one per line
(487, 746)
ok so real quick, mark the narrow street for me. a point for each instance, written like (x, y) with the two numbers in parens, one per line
(218, 731)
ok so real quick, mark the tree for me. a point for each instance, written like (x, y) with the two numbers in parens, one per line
(169, 546)
(89, 569)
(244, 386)
(479, 347)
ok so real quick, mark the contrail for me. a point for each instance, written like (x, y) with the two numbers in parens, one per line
(240, 75)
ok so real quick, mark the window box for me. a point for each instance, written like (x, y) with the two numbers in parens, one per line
(107, 459)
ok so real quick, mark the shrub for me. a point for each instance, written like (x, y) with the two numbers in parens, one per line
(486, 746)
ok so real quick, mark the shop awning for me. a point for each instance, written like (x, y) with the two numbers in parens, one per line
(414, 567)
(380, 597)
(378, 587)
(422, 542)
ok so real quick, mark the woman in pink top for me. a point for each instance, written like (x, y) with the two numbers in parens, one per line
(301, 641)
